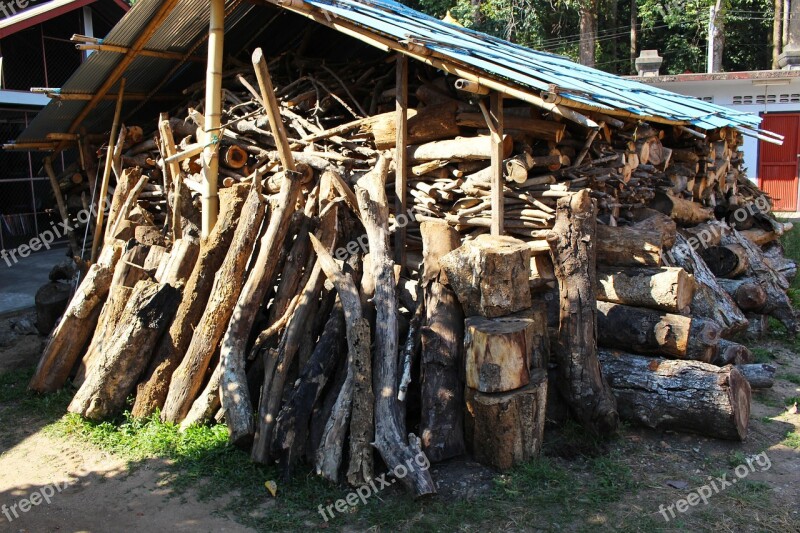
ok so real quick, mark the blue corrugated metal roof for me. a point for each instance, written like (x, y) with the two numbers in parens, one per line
(489, 57)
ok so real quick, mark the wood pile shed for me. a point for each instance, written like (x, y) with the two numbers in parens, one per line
(547, 239)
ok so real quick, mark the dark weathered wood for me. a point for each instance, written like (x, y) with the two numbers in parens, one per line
(746, 292)
(505, 429)
(77, 324)
(636, 245)
(759, 376)
(684, 212)
(188, 377)
(709, 301)
(396, 448)
(656, 332)
(573, 251)
(679, 395)
(152, 391)
(731, 353)
(727, 261)
(51, 301)
(441, 426)
(120, 364)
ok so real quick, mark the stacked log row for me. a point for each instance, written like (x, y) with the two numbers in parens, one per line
(313, 332)
(506, 349)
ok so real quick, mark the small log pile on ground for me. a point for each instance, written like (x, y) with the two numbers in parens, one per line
(302, 323)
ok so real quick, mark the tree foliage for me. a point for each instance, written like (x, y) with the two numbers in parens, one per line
(678, 29)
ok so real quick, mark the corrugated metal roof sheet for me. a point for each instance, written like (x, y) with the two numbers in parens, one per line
(531, 71)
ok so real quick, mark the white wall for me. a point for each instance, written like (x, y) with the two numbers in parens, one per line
(743, 95)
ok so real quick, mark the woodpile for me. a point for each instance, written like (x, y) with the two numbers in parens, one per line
(352, 299)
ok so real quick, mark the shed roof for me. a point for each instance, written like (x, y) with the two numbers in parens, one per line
(388, 25)
(41, 13)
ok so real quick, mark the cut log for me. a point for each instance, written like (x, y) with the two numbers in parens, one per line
(152, 392)
(581, 381)
(667, 289)
(70, 336)
(727, 261)
(487, 274)
(655, 332)
(145, 318)
(731, 353)
(638, 245)
(461, 149)
(683, 212)
(500, 353)
(51, 301)
(758, 326)
(390, 437)
(679, 395)
(505, 429)
(759, 376)
(710, 300)
(235, 396)
(774, 284)
(441, 426)
(546, 130)
(188, 377)
(430, 123)
(747, 293)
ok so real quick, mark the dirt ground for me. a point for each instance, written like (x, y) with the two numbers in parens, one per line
(102, 492)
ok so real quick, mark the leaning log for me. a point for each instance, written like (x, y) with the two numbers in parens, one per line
(120, 364)
(396, 448)
(679, 395)
(581, 380)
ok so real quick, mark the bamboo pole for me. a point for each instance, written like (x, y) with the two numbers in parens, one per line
(143, 52)
(213, 116)
(174, 170)
(494, 119)
(273, 111)
(401, 155)
(62, 207)
(98, 228)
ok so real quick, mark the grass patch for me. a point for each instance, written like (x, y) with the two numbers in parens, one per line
(14, 390)
(791, 378)
(792, 440)
(762, 355)
(791, 400)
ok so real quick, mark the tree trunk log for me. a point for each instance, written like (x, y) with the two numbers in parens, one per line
(746, 292)
(505, 429)
(710, 300)
(667, 289)
(487, 274)
(683, 212)
(188, 377)
(656, 332)
(581, 381)
(70, 336)
(731, 353)
(679, 395)
(462, 149)
(152, 391)
(638, 245)
(727, 261)
(442, 334)
(759, 376)
(119, 366)
(235, 396)
(394, 446)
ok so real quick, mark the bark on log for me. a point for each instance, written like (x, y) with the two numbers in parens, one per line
(394, 446)
(759, 376)
(430, 123)
(655, 332)
(188, 377)
(709, 301)
(746, 292)
(487, 274)
(441, 426)
(731, 353)
(70, 336)
(145, 318)
(235, 396)
(51, 301)
(638, 245)
(462, 149)
(679, 395)
(152, 392)
(683, 212)
(506, 429)
(727, 261)
(572, 247)
(667, 289)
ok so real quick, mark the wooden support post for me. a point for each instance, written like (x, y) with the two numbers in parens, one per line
(101, 200)
(213, 113)
(62, 207)
(495, 122)
(401, 156)
(273, 111)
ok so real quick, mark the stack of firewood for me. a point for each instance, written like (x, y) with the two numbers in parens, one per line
(640, 237)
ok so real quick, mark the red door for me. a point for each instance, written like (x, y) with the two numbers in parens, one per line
(777, 165)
